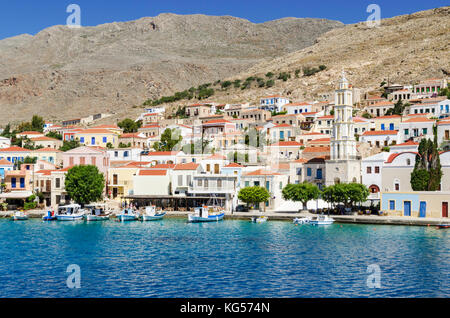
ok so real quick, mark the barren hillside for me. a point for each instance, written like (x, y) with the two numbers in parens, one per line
(62, 73)
(403, 49)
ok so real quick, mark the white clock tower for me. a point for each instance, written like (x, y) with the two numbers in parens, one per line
(344, 166)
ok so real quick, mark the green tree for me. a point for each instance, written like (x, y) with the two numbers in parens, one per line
(302, 192)
(346, 193)
(253, 195)
(54, 135)
(170, 138)
(427, 173)
(69, 145)
(129, 125)
(37, 123)
(269, 75)
(85, 184)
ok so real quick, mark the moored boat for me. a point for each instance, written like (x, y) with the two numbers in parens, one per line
(303, 220)
(322, 220)
(259, 219)
(50, 216)
(203, 215)
(20, 216)
(152, 215)
(71, 212)
(443, 226)
(96, 213)
(127, 215)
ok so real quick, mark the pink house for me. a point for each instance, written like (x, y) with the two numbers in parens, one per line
(87, 156)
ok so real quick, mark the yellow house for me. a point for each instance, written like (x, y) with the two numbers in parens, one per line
(120, 180)
(98, 137)
(51, 155)
(391, 122)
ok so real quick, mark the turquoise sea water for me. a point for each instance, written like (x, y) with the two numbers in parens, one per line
(226, 259)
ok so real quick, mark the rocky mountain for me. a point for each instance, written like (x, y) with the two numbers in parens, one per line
(63, 73)
(403, 49)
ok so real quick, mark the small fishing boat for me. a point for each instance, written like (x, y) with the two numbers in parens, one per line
(19, 216)
(72, 212)
(96, 213)
(259, 219)
(128, 215)
(50, 216)
(205, 214)
(443, 226)
(322, 220)
(152, 215)
(303, 220)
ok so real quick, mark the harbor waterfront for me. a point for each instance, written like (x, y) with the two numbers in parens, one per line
(231, 258)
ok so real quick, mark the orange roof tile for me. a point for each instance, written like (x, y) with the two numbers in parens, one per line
(262, 172)
(286, 144)
(316, 149)
(187, 166)
(152, 172)
(4, 162)
(14, 149)
(380, 132)
(418, 120)
(233, 165)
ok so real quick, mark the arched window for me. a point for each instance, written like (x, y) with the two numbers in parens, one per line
(374, 188)
(337, 181)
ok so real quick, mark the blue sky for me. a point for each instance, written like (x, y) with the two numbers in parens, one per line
(31, 16)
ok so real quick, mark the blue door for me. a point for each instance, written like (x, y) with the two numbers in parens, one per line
(319, 173)
(423, 209)
(281, 134)
(22, 183)
(382, 126)
(391, 126)
(407, 208)
(93, 141)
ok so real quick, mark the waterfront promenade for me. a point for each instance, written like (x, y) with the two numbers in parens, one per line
(289, 216)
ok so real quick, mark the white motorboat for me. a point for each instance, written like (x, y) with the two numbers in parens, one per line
(128, 215)
(20, 216)
(303, 220)
(206, 214)
(259, 219)
(151, 214)
(322, 220)
(71, 212)
(96, 213)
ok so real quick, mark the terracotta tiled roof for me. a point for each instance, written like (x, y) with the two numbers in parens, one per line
(395, 155)
(408, 143)
(14, 149)
(217, 121)
(30, 133)
(164, 166)
(44, 138)
(316, 149)
(418, 120)
(380, 132)
(152, 172)
(262, 172)
(95, 131)
(187, 166)
(233, 165)
(286, 144)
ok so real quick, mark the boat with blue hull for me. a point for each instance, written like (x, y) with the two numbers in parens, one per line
(151, 214)
(49, 217)
(72, 212)
(203, 215)
(128, 215)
